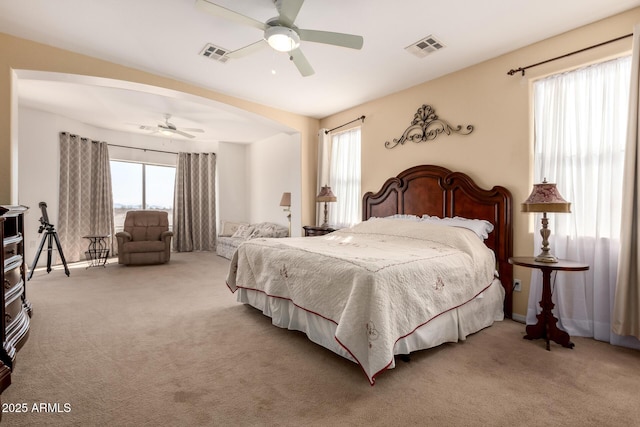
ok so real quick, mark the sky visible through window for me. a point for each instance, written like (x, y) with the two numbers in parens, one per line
(127, 179)
(159, 182)
(126, 182)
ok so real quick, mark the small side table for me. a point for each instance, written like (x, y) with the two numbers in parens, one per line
(98, 251)
(546, 327)
(311, 230)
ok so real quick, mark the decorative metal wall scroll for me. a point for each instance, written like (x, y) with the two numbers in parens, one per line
(426, 126)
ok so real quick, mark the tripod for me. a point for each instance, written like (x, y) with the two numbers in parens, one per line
(49, 235)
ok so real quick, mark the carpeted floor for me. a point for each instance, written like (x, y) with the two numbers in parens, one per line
(168, 346)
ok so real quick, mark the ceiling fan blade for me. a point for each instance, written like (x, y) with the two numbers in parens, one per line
(223, 12)
(288, 10)
(192, 130)
(301, 62)
(151, 128)
(179, 132)
(338, 39)
(244, 51)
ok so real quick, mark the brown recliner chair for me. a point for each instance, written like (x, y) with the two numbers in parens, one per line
(146, 238)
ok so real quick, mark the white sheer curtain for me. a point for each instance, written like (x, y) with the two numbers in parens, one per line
(345, 177)
(580, 127)
(324, 161)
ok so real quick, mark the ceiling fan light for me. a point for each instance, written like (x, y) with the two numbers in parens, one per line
(166, 132)
(282, 39)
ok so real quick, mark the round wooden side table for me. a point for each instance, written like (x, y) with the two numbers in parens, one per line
(547, 327)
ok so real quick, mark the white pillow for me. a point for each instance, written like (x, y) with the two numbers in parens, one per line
(481, 227)
(228, 228)
(243, 231)
(269, 229)
(404, 216)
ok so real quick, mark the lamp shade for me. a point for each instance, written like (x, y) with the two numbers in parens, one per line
(326, 195)
(286, 200)
(545, 197)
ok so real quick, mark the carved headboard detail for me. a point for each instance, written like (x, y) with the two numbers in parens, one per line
(435, 190)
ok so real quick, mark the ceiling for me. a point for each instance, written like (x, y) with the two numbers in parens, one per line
(165, 37)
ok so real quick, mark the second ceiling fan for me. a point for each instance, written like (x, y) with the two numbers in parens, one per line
(281, 34)
(167, 128)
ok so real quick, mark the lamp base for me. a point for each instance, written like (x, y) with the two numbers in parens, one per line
(325, 224)
(545, 256)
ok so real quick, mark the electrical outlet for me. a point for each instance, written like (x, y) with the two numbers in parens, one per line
(517, 285)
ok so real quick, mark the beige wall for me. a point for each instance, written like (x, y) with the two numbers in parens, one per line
(499, 151)
(16, 54)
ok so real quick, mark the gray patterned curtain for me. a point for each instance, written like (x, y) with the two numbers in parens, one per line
(194, 207)
(86, 201)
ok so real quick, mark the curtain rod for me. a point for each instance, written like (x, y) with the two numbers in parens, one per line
(338, 127)
(143, 149)
(121, 146)
(522, 69)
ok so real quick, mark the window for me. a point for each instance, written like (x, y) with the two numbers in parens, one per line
(580, 133)
(141, 186)
(345, 178)
(580, 120)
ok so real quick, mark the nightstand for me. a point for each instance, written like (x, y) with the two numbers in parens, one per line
(311, 230)
(546, 327)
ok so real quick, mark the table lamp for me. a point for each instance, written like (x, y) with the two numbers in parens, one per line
(326, 195)
(285, 202)
(544, 198)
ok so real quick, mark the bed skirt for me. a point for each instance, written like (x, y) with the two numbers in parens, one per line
(452, 326)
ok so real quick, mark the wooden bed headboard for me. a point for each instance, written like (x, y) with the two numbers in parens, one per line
(434, 190)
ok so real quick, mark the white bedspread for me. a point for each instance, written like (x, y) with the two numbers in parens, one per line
(377, 281)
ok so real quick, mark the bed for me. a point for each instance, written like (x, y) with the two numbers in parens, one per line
(402, 280)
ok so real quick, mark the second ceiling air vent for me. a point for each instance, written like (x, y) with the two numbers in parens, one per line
(425, 46)
(214, 52)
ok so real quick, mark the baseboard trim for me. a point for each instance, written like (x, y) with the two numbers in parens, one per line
(519, 318)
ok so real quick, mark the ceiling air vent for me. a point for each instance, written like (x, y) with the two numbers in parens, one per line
(425, 46)
(214, 52)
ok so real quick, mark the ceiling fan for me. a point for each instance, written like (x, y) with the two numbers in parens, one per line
(281, 34)
(169, 129)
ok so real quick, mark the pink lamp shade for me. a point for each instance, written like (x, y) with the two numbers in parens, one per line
(326, 195)
(544, 198)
